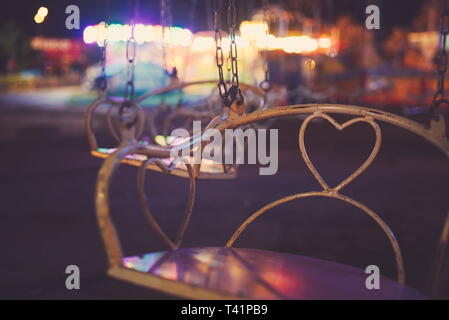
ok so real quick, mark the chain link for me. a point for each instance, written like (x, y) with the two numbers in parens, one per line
(219, 55)
(131, 47)
(167, 23)
(265, 84)
(228, 67)
(103, 84)
(232, 17)
(127, 114)
(442, 64)
(234, 93)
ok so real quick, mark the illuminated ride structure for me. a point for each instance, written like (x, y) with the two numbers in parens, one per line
(232, 273)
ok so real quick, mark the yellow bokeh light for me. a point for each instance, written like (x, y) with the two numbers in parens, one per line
(38, 18)
(203, 44)
(253, 31)
(42, 11)
(100, 35)
(90, 34)
(325, 42)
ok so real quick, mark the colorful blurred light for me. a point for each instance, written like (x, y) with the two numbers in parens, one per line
(117, 32)
(38, 18)
(201, 44)
(299, 44)
(325, 42)
(256, 32)
(42, 11)
(89, 34)
(253, 31)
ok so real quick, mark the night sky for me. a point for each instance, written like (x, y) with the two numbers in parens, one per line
(393, 13)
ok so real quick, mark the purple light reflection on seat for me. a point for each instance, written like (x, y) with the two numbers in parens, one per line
(258, 274)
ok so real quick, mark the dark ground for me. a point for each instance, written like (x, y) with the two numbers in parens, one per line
(47, 216)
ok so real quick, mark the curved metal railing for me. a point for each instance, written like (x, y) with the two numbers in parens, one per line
(435, 134)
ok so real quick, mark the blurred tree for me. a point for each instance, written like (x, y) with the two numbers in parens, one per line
(15, 51)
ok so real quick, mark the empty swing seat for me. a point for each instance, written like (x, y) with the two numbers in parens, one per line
(254, 274)
(234, 273)
(209, 169)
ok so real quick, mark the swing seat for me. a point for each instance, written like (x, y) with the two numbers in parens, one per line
(234, 273)
(209, 169)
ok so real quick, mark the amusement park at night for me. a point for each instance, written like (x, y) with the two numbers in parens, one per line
(224, 150)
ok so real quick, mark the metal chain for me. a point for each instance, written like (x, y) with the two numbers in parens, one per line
(131, 47)
(167, 22)
(234, 94)
(442, 63)
(228, 67)
(219, 55)
(103, 84)
(265, 84)
(126, 114)
(232, 21)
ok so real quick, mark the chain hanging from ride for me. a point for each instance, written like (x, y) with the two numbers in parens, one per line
(232, 22)
(167, 23)
(265, 84)
(442, 63)
(103, 83)
(127, 116)
(131, 46)
(234, 94)
(219, 55)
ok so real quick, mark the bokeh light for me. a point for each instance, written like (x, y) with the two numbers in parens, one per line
(38, 18)
(42, 11)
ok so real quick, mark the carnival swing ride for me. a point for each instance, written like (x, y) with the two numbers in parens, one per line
(227, 272)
